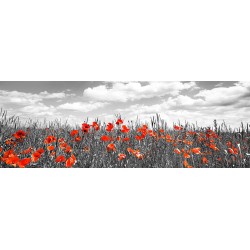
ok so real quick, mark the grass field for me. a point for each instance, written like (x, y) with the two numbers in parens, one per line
(121, 145)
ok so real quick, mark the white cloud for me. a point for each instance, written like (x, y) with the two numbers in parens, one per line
(18, 97)
(82, 106)
(221, 103)
(183, 102)
(229, 103)
(122, 92)
(23, 98)
(30, 105)
(38, 110)
(47, 95)
(225, 96)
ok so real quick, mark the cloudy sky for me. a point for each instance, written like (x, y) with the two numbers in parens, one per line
(200, 102)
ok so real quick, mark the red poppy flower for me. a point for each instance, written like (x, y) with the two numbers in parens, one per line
(12, 160)
(152, 133)
(235, 150)
(119, 121)
(35, 156)
(40, 151)
(73, 133)
(61, 140)
(9, 153)
(125, 129)
(125, 139)
(105, 138)
(138, 138)
(178, 128)
(121, 157)
(211, 134)
(22, 163)
(204, 160)
(168, 138)
(68, 149)
(26, 151)
(142, 130)
(95, 126)
(185, 163)
(213, 146)
(85, 127)
(139, 155)
(20, 134)
(63, 145)
(50, 148)
(60, 158)
(230, 150)
(196, 151)
(10, 141)
(130, 150)
(186, 155)
(177, 151)
(111, 147)
(78, 139)
(70, 161)
(109, 127)
(191, 133)
(50, 139)
(187, 142)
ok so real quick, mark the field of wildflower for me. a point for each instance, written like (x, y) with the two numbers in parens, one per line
(121, 145)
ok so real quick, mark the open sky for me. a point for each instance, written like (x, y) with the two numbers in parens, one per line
(191, 101)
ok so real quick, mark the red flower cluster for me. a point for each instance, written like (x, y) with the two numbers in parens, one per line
(124, 144)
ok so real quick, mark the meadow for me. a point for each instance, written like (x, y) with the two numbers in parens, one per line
(121, 144)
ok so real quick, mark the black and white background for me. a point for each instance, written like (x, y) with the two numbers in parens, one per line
(128, 41)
